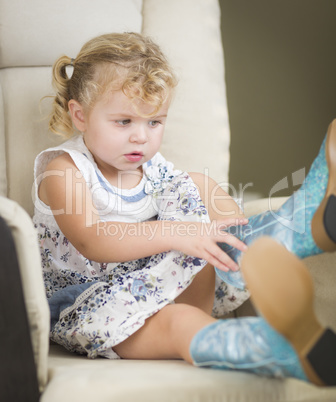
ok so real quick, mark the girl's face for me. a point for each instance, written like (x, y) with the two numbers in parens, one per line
(118, 138)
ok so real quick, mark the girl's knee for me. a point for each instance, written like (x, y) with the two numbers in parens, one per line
(177, 316)
(219, 203)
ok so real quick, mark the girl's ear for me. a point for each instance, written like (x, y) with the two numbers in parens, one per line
(77, 115)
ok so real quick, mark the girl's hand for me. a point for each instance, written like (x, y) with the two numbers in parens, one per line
(102, 241)
(200, 240)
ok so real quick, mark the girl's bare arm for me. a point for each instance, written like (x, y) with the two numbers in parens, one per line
(68, 196)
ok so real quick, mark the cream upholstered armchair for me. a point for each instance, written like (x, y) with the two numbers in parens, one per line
(33, 34)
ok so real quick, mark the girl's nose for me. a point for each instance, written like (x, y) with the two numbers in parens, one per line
(139, 135)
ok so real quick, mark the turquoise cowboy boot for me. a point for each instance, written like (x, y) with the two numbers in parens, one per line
(287, 340)
(251, 345)
(305, 224)
(245, 344)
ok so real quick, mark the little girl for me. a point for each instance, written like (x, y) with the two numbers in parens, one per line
(128, 243)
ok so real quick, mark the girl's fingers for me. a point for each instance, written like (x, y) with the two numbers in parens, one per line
(216, 263)
(226, 237)
(221, 260)
(217, 257)
(206, 245)
(232, 240)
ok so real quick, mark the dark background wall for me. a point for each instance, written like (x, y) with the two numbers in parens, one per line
(280, 60)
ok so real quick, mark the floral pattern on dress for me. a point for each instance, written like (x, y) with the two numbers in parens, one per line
(159, 177)
(123, 295)
(121, 305)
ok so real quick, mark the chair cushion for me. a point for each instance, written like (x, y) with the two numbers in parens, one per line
(197, 136)
(78, 378)
(36, 33)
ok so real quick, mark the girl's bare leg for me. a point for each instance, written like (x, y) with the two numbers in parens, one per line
(201, 292)
(165, 335)
(220, 205)
(168, 333)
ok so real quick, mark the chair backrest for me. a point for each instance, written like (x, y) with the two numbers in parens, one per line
(33, 34)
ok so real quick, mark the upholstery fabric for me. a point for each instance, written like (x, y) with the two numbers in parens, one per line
(63, 27)
(166, 381)
(199, 109)
(26, 129)
(24, 86)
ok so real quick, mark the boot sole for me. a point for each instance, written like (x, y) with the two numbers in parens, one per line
(282, 292)
(323, 225)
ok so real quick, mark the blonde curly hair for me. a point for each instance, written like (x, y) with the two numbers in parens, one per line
(129, 62)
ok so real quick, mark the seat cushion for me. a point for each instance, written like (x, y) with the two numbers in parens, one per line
(74, 377)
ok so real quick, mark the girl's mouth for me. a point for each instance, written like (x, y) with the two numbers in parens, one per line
(134, 156)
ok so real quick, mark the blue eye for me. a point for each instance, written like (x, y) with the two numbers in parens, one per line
(123, 122)
(154, 123)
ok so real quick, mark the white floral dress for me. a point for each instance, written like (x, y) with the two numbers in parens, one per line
(95, 306)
